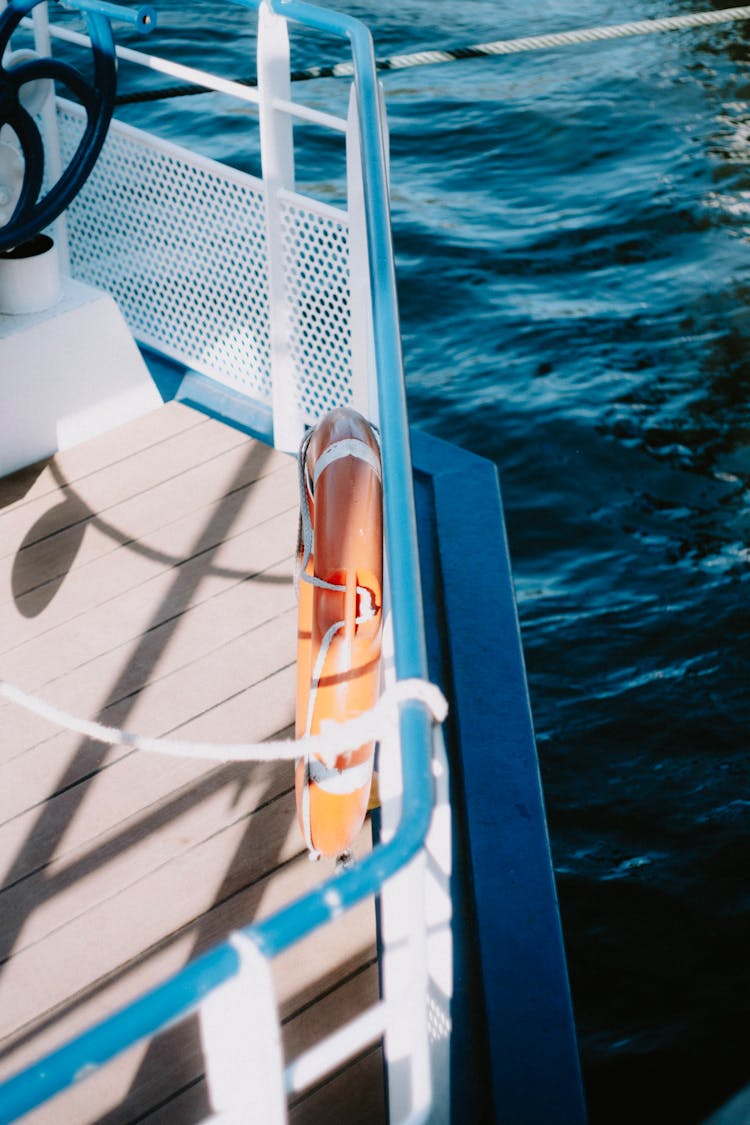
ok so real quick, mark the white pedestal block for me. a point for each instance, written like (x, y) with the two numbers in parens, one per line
(67, 374)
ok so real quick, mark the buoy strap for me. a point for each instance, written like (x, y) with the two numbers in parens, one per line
(333, 780)
(347, 447)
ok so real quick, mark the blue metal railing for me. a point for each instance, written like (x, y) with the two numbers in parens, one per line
(183, 993)
(143, 17)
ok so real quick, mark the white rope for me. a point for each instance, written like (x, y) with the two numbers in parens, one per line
(541, 42)
(617, 31)
(334, 739)
(475, 51)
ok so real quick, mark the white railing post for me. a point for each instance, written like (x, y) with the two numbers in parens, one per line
(364, 376)
(405, 981)
(242, 1044)
(277, 159)
(417, 959)
(416, 942)
(404, 956)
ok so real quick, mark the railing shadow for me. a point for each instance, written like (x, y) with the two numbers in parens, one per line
(173, 1062)
(60, 531)
(75, 780)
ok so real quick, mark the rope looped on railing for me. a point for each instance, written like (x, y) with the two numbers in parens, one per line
(334, 739)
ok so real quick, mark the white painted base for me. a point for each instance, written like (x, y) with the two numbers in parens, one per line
(67, 374)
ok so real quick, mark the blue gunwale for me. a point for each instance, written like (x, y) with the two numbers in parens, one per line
(514, 1055)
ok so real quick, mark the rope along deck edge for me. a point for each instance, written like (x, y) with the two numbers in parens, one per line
(479, 50)
(334, 739)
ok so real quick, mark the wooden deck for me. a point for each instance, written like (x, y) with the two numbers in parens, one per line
(146, 581)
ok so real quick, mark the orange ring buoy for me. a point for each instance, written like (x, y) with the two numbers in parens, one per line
(339, 620)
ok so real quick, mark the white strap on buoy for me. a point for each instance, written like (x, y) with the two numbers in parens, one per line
(347, 447)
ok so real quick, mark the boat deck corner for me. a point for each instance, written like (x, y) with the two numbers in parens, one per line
(147, 583)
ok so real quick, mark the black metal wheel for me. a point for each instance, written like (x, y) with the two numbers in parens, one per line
(31, 213)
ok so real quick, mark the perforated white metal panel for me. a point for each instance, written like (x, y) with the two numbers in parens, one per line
(180, 243)
(316, 274)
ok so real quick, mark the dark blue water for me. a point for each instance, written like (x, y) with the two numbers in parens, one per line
(572, 236)
(572, 231)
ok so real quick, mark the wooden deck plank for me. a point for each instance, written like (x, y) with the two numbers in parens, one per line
(107, 576)
(347, 999)
(92, 942)
(127, 616)
(78, 813)
(335, 1099)
(190, 1106)
(98, 491)
(312, 967)
(164, 707)
(148, 584)
(76, 463)
(71, 529)
(142, 1083)
(116, 675)
(39, 905)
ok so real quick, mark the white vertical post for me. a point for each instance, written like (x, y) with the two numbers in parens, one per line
(404, 972)
(242, 1044)
(364, 374)
(404, 958)
(53, 159)
(364, 389)
(438, 917)
(416, 912)
(277, 159)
